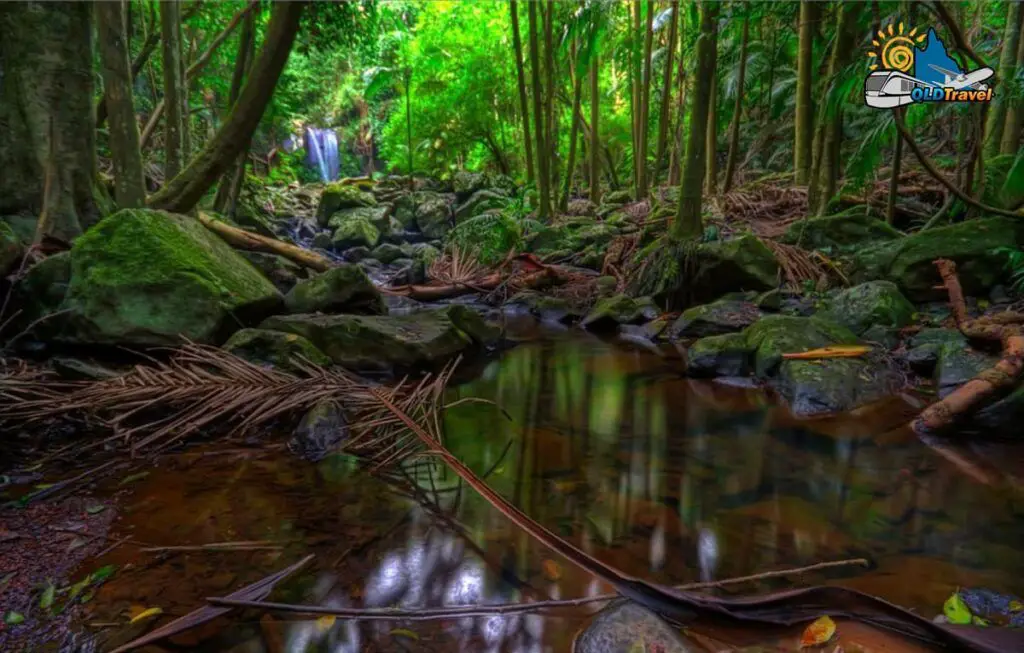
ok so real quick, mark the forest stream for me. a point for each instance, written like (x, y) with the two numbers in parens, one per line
(583, 446)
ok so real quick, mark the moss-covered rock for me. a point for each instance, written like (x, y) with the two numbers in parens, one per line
(387, 252)
(342, 289)
(354, 232)
(491, 236)
(480, 202)
(838, 232)
(284, 274)
(957, 364)
(320, 431)
(617, 197)
(743, 263)
(774, 335)
(41, 292)
(286, 351)
(872, 303)
(610, 312)
(378, 216)
(10, 248)
(972, 245)
(834, 385)
(423, 252)
(466, 183)
(722, 316)
(625, 627)
(338, 196)
(434, 216)
(144, 277)
(722, 355)
(382, 342)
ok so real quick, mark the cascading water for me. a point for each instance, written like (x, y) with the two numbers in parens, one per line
(322, 152)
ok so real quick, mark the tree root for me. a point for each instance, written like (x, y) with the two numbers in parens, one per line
(1005, 328)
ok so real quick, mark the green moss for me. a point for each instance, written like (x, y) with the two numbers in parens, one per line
(343, 289)
(774, 335)
(839, 231)
(743, 263)
(354, 232)
(722, 355)
(491, 236)
(285, 350)
(871, 303)
(337, 196)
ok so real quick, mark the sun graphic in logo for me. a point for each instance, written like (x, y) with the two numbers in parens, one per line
(897, 48)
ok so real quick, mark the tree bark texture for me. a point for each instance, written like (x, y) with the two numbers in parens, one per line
(665, 112)
(804, 122)
(246, 51)
(524, 106)
(538, 114)
(595, 145)
(1007, 70)
(170, 31)
(737, 112)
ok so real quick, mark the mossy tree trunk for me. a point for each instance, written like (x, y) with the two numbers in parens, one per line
(524, 107)
(129, 184)
(230, 183)
(804, 121)
(181, 193)
(595, 144)
(665, 112)
(46, 114)
(688, 216)
(170, 30)
(538, 114)
(577, 95)
(737, 112)
(645, 102)
(1015, 107)
(1007, 70)
(634, 75)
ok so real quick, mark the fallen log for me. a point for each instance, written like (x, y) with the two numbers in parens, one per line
(247, 240)
(1004, 374)
(487, 283)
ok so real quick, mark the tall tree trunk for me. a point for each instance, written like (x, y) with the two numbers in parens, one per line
(771, 74)
(894, 176)
(737, 111)
(804, 122)
(711, 134)
(1007, 71)
(246, 50)
(636, 109)
(688, 216)
(577, 94)
(665, 112)
(645, 102)
(524, 107)
(181, 193)
(170, 29)
(595, 144)
(544, 210)
(675, 159)
(549, 68)
(1015, 107)
(129, 184)
(46, 113)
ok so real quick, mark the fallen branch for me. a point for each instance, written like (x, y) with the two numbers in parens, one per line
(248, 545)
(248, 240)
(487, 283)
(428, 614)
(1003, 374)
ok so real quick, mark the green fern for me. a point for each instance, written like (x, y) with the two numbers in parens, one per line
(1014, 265)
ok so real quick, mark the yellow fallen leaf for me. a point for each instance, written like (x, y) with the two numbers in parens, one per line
(405, 632)
(141, 615)
(325, 623)
(820, 632)
(835, 351)
(552, 570)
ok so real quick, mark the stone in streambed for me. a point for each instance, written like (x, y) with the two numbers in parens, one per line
(354, 232)
(872, 303)
(774, 335)
(387, 252)
(336, 197)
(342, 289)
(321, 430)
(382, 342)
(434, 216)
(282, 350)
(743, 263)
(284, 274)
(621, 309)
(723, 316)
(957, 364)
(490, 237)
(153, 278)
(722, 355)
(627, 627)
(378, 216)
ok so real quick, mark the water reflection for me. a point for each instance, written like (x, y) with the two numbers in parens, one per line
(665, 478)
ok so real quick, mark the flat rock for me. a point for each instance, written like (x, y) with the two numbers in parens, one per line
(286, 351)
(723, 316)
(626, 627)
(342, 289)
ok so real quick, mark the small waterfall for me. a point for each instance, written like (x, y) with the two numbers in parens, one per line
(322, 152)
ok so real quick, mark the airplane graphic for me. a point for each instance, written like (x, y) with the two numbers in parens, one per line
(973, 79)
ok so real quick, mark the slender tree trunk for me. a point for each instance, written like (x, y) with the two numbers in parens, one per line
(675, 166)
(688, 222)
(595, 144)
(129, 185)
(771, 73)
(737, 111)
(1007, 70)
(181, 193)
(524, 107)
(408, 123)
(645, 102)
(577, 95)
(1015, 108)
(711, 134)
(170, 28)
(544, 210)
(894, 176)
(549, 67)
(246, 50)
(804, 122)
(636, 108)
(665, 113)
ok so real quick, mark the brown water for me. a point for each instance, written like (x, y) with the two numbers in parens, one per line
(665, 478)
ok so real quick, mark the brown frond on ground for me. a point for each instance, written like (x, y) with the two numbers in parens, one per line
(767, 209)
(456, 267)
(800, 265)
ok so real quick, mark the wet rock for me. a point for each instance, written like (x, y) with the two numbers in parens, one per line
(434, 216)
(281, 350)
(10, 248)
(770, 300)
(408, 271)
(356, 254)
(424, 252)
(381, 342)
(387, 252)
(255, 222)
(480, 202)
(77, 369)
(284, 274)
(1002, 418)
(401, 305)
(354, 232)
(833, 385)
(322, 429)
(838, 232)
(743, 263)
(322, 240)
(342, 289)
(723, 355)
(723, 316)
(908, 262)
(143, 277)
(626, 627)
(871, 303)
(490, 237)
(548, 309)
(621, 309)
(957, 364)
(378, 216)
(337, 196)
(774, 335)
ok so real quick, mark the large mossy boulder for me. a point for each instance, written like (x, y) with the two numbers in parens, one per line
(143, 277)
(342, 289)
(478, 203)
(627, 627)
(10, 248)
(722, 316)
(611, 312)
(774, 335)
(283, 273)
(972, 245)
(378, 216)
(834, 385)
(873, 303)
(490, 236)
(957, 363)
(434, 216)
(743, 263)
(355, 231)
(839, 232)
(338, 196)
(721, 355)
(286, 351)
(363, 342)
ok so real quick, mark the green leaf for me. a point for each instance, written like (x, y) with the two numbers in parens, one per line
(96, 509)
(102, 574)
(134, 477)
(14, 618)
(956, 610)
(46, 600)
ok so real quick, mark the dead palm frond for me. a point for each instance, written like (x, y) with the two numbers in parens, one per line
(798, 265)
(767, 209)
(456, 267)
